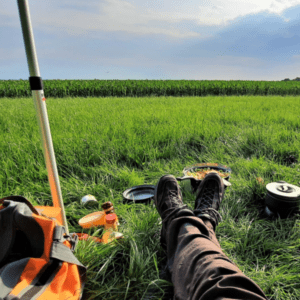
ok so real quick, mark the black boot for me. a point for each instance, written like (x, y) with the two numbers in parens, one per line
(168, 202)
(209, 195)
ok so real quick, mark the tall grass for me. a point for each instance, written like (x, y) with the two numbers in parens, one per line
(106, 145)
(143, 88)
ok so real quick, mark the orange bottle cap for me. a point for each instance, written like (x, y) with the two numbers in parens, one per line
(111, 218)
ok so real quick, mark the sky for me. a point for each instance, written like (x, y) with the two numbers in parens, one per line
(157, 39)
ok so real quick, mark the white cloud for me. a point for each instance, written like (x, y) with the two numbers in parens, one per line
(108, 16)
(214, 12)
(220, 12)
(158, 17)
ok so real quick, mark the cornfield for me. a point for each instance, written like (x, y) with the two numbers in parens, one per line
(146, 88)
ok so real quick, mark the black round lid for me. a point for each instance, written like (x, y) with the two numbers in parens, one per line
(139, 194)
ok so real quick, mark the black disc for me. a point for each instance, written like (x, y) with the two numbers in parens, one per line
(139, 194)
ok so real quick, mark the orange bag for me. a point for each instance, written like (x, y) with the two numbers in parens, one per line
(36, 256)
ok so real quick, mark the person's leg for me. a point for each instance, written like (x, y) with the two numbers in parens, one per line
(199, 268)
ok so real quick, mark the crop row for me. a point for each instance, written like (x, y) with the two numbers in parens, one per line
(140, 88)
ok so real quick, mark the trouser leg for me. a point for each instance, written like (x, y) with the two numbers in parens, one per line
(199, 268)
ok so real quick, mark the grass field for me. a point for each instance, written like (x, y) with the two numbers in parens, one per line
(106, 145)
(147, 88)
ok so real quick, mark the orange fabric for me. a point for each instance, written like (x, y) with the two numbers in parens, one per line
(62, 286)
(66, 284)
(31, 270)
(49, 211)
(34, 265)
(48, 227)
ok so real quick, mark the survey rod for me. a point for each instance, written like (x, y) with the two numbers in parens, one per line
(36, 85)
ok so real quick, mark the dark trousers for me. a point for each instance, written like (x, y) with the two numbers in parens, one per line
(199, 268)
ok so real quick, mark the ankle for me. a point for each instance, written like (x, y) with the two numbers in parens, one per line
(209, 222)
(185, 212)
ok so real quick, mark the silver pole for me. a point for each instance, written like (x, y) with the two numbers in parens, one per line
(40, 105)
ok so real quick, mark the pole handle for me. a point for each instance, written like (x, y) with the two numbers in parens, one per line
(36, 85)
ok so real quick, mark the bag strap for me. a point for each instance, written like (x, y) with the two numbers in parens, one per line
(59, 235)
(63, 253)
(20, 199)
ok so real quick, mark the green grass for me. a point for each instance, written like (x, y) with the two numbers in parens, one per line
(147, 88)
(106, 145)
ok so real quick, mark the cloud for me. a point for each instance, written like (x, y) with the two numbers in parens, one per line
(169, 18)
(264, 36)
(168, 39)
(105, 16)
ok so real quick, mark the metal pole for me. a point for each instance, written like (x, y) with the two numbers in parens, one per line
(36, 86)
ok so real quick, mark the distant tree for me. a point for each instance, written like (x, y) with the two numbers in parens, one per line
(297, 79)
(286, 79)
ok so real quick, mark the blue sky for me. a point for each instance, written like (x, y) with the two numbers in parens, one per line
(157, 39)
